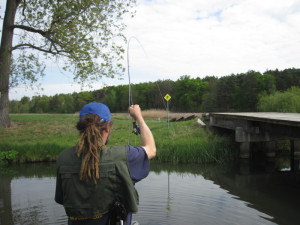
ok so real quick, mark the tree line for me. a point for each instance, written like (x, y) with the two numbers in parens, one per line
(251, 91)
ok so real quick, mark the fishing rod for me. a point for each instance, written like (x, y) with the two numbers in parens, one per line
(136, 128)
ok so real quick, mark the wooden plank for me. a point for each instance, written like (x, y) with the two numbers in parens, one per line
(290, 119)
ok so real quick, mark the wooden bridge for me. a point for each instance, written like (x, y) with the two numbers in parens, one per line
(266, 128)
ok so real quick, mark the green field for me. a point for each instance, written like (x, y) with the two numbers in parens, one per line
(41, 137)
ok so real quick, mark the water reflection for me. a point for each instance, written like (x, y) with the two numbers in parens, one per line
(172, 194)
(274, 197)
(30, 199)
(27, 193)
(192, 199)
(5, 201)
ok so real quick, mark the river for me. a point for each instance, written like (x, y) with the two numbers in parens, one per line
(170, 195)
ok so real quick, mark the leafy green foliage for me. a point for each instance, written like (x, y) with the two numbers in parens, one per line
(286, 78)
(82, 37)
(25, 69)
(288, 101)
(188, 94)
(86, 35)
(240, 92)
(8, 156)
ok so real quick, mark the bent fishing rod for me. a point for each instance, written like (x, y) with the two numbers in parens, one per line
(136, 128)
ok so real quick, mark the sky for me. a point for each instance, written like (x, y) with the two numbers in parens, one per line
(171, 38)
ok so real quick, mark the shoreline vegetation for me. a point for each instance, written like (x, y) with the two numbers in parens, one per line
(271, 91)
(41, 137)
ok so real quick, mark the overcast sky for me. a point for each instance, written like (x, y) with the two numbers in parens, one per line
(171, 38)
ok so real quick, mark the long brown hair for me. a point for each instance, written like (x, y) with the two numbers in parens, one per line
(89, 144)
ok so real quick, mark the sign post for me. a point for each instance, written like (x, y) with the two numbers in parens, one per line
(167, 98)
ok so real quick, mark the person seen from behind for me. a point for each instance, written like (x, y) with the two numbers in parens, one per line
(95, 183)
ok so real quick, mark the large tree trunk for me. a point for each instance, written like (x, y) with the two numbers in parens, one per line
(5, 60)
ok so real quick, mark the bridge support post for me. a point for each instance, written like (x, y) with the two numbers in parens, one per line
(245, 150)
(269, 147)
(241, 136)
(295, 155)
(296, 146)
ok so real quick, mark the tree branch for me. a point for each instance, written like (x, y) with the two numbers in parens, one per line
(23, 46)
(44, 34)
(31, 29)
(57, 52)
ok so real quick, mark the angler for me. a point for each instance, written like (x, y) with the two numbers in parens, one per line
(95, 183)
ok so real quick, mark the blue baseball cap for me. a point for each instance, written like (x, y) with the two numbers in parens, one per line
(96, 108)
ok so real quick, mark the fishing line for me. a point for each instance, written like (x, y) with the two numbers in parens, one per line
(161, 96)
(130, 100)
(130, 94)
(136, 129)
(174, 132)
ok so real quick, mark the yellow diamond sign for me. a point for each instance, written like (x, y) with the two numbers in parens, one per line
(167, 97)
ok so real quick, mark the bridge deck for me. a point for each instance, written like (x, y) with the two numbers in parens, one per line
(290, 119)
(260, 127)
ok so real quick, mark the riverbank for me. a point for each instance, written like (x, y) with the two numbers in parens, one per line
(41, 137)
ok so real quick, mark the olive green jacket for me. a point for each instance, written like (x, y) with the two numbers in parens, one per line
(85, 199)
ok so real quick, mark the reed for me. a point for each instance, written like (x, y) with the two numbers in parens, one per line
(185, 142)
(41, 137)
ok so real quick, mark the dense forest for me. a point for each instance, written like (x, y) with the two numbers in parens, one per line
(273, 90)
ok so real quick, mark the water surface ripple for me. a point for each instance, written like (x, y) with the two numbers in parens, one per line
(170, 195)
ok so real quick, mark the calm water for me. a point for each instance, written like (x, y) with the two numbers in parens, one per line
(171, 194)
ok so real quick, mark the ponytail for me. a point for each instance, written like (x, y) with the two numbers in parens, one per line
(89, 144)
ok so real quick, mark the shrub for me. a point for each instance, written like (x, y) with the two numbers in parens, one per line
(8, 156)
(288, 101)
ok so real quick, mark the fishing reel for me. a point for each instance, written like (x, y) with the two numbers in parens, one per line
(136, 129)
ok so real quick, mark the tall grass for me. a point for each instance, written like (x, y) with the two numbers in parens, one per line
(185, 142)
(40, 137)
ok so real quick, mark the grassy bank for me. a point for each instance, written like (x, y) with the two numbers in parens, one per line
(41, 137)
